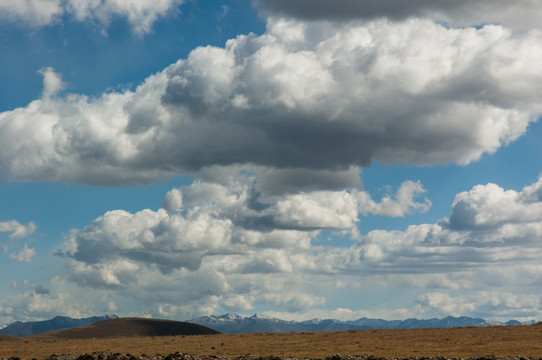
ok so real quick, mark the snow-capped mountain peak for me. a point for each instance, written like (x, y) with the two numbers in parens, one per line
(233, 323)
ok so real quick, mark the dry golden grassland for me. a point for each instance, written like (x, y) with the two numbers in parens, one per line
(466, 342)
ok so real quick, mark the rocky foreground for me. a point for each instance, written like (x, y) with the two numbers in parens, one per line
(181, 356)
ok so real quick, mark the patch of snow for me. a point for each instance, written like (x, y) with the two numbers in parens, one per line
(494, 323)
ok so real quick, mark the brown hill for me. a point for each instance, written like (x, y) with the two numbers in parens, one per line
(8, 338)
(128, 327)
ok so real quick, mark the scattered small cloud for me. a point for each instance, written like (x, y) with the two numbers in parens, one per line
(17, 230)
(52, 82)
(225, 11)
(140, 15)
(24, 255)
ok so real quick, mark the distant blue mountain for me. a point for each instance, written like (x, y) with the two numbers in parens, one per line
(20, 329)
(235, 324)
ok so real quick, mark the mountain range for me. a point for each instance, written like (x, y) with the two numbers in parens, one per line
(234, 324)
(20, 329)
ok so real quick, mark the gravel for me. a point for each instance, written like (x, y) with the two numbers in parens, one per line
(181, 356)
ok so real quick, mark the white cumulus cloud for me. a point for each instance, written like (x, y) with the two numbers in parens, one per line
(227, 244)
(214, 241)
(491, 207)
(228, 247)
(302, 99)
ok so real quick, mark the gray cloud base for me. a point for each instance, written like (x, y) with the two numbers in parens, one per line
(521, 14)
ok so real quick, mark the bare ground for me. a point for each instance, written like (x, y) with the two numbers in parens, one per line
(470, 342)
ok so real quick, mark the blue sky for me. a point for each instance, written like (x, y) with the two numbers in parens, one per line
(298, 159)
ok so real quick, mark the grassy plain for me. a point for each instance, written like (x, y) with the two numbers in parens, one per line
(465, 342)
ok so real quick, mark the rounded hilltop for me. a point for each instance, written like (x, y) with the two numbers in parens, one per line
(129, 327)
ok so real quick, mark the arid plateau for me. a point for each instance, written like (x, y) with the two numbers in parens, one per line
(123, 338)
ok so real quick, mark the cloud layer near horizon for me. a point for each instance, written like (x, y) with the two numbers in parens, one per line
(317, 96)
(216, 248)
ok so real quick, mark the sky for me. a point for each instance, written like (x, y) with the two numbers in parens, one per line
(297, 159)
